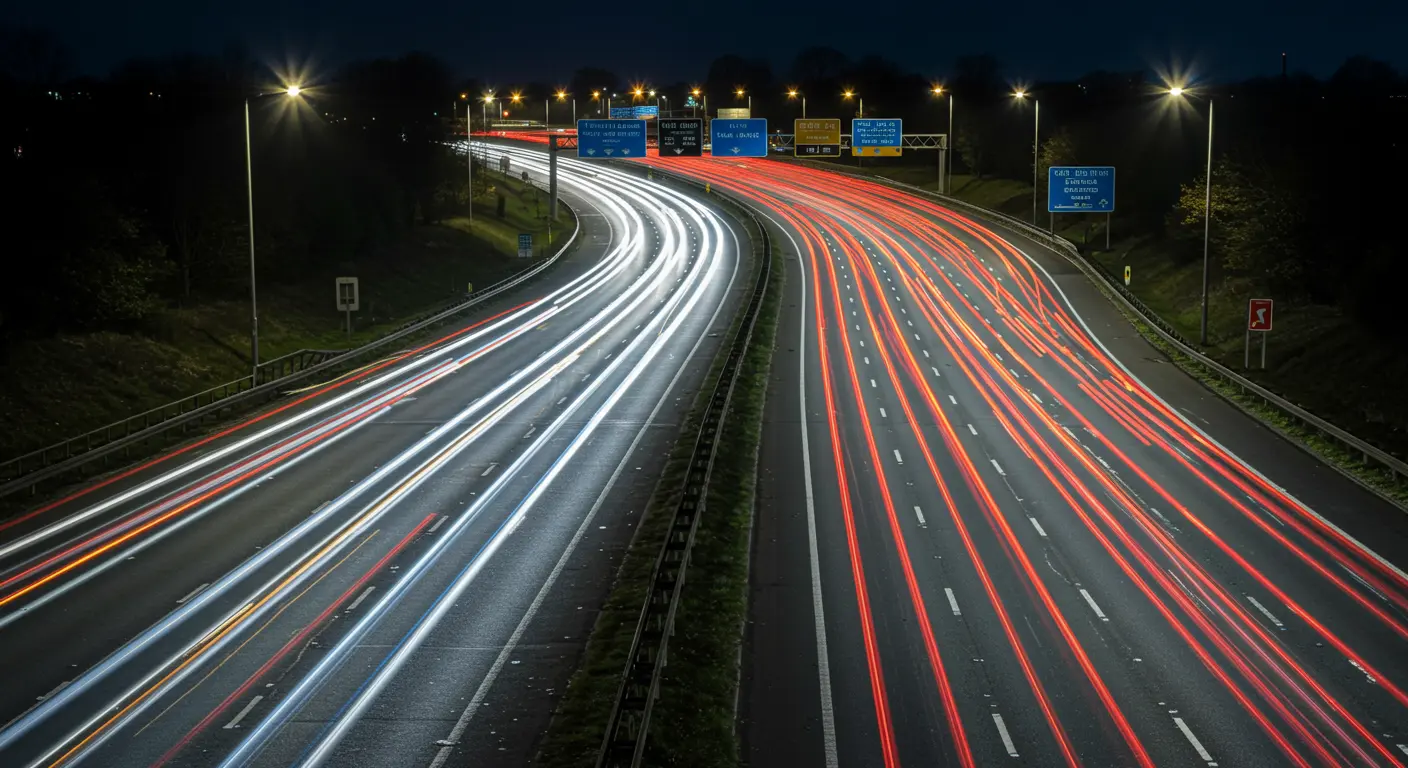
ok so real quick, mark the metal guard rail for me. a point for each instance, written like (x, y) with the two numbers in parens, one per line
(624, 742)
(77, 452)
(1397, 469)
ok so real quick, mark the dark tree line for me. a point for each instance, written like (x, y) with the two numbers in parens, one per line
(128, 194)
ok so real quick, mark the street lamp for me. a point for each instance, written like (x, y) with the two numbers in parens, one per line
(1020, 94)
(860, 109)
(947, 173)
(562, 96)
(739, 93)
(292, 92)
(1178, 92)
(697, 94)
(794, 93)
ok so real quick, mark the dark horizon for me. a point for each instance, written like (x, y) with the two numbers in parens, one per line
(1203, 39)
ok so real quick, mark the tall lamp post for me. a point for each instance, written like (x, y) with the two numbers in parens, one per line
(860, 103)
(740, 93)
(1036, 146)
(794, 94)
(1178, 92)
(562, 96)
(292, 92)
(948, 171)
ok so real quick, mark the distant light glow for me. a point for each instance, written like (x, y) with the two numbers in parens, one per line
(1020, 94)
(1175, 91)
(294, 90)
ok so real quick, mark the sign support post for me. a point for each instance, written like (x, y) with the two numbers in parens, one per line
(1259, 315)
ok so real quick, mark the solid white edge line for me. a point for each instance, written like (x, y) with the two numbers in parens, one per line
(235, 722)
(828, 711)
(1193, 739)
(1006, 737)
(952, 601)
(438, 523)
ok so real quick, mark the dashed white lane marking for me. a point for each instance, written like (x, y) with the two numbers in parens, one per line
(562, 400)
(952, 602)
(252, 702)
(192, 593)
(997, 467)
(970, 429)
(1040, 531)
(1006, 737)
(1402, 748)
(438, 523)
(361, 597)
(1364, 672)
(1257, 604)
(998, 356)
(857, 327)
(1014, 373)
(919, 513)
(916, 337)
(953, 399)
(488, 469)
(935, 370)
(872, 383)
(862, 343)
(898, 458)
(911, 323)
(867, 360)
(884, 415)
(1093, 605)
(1038, 398)
(530, 432)
(1197, 745)
(925, 351)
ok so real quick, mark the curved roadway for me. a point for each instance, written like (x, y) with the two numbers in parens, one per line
(996, 527)
(389, 569)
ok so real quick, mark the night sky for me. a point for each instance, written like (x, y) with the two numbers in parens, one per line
(505, 42)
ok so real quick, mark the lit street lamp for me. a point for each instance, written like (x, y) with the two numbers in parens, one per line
(1178, 92)
(1036, 134)
(860, 108)
(739, 93)
(794, 93)
(292, 92)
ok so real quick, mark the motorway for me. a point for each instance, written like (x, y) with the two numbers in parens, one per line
(996, 527)
(397, 567)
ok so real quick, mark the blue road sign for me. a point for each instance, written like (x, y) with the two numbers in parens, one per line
(739, 137)
(645, 112)
(623, 113)
(873, 136)
(608, 139)
(1080, 189)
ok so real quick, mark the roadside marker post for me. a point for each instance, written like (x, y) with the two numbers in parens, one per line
(1259, 319)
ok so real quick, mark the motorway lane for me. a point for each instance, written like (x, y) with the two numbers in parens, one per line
(496, 449)
(1021, 551)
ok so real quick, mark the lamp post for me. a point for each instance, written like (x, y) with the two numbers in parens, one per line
(695, 93)
(794, 94)
(1036, 146)
(860, 109)
(292, 92)
(1178, 92)
(947, 173)
(740, 93)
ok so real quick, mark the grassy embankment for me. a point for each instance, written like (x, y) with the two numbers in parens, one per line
(693, 722)
(62, 386)
(1318, 356)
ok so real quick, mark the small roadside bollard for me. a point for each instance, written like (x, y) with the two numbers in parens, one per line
(650, 174)
(707, 189)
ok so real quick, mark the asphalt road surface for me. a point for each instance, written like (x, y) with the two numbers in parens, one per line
(394, 568)
(998, 528)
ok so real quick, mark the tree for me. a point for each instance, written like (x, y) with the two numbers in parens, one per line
(1059, 149)
(819, 65)
(972, 140)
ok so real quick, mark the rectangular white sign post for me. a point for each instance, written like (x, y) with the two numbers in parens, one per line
(348, 300)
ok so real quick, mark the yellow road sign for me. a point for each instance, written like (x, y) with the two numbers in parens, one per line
(826, 131)
(875, 151)
(1126, 275)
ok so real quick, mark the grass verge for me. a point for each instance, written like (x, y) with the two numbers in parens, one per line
(693, 721)
(58, 387)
